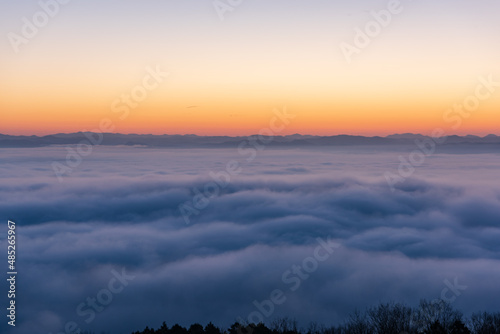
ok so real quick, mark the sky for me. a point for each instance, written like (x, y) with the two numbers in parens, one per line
(115, 227)
(118, 214)
(227, 70)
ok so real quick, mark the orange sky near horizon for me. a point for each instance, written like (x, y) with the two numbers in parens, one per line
(226, 77)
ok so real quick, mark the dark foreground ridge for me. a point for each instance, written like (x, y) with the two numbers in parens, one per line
(436, 317)
(194, 141)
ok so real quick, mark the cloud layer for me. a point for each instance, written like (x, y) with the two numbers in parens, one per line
(120, 209)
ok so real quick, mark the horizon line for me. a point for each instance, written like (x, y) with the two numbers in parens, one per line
(255, 134)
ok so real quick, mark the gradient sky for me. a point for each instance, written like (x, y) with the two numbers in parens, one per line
(232, 73)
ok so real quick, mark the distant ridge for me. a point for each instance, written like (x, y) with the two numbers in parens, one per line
(195, 141)
(406, 136)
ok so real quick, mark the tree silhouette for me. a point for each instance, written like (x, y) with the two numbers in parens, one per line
(238, 328)
(436, 317)
(390, 319)
(177, 329)
(163, 329)
(436, 328)
(458, 327)
(284, 326)
(196, 329)
(211, 329)
(485, 323)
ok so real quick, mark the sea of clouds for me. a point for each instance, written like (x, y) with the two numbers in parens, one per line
(118, 214)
